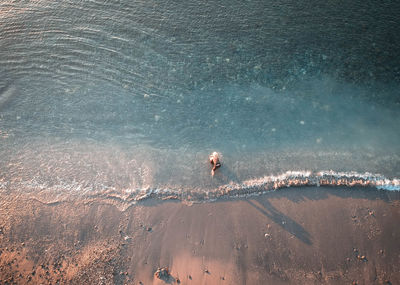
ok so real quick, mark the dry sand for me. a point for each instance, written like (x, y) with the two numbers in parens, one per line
(291, 236)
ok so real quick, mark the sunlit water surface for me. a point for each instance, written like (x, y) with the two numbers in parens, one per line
(127, 99)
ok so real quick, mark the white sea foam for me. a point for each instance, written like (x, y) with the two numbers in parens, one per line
(246, 188)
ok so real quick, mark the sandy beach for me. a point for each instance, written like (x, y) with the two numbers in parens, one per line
(310, 235)
(111, 110)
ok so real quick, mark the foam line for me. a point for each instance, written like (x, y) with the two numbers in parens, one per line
(274, 182)
(250, 187)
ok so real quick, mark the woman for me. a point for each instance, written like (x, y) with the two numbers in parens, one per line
(214, 160)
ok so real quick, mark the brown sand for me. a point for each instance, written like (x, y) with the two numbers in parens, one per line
(291, 236)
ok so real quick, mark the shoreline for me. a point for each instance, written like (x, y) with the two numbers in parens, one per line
(221, 191)
(312, 235)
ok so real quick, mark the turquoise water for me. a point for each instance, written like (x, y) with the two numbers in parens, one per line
(126, 98)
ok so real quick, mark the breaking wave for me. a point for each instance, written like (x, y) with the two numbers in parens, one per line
(256, 186)
(270, 183)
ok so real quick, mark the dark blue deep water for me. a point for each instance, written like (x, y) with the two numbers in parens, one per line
(130, 97)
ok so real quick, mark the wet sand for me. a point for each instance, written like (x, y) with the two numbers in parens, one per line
(291, 236)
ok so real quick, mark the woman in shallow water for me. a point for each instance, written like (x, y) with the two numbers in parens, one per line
(214, 160)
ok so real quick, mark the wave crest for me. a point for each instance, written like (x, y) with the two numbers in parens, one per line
(265, 184)
(250, 187)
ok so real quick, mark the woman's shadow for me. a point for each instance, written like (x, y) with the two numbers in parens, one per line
(225, 175)
(285, 222)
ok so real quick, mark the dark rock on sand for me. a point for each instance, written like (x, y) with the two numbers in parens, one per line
(162, 273)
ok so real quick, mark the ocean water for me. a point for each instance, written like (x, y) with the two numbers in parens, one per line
(125, 100)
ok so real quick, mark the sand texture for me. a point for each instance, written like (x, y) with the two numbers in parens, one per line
(292, 236)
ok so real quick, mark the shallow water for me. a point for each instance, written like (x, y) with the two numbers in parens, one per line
(125, 98)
